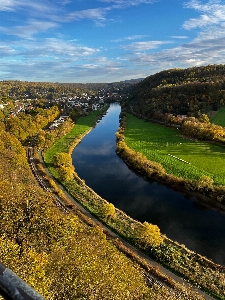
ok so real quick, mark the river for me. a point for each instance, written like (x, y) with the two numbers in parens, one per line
(184, 220)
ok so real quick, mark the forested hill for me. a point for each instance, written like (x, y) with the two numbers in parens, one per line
(193, 91)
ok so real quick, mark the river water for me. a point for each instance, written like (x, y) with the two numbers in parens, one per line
(181, 219)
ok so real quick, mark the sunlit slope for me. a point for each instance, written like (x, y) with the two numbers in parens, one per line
(219, 117)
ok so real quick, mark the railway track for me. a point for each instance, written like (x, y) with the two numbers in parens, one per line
(42, 182)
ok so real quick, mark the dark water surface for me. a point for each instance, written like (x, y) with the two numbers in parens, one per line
(181, 219)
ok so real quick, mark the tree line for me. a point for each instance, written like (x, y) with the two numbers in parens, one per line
(199, 128)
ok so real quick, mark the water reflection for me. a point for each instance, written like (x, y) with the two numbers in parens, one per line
(183, 220)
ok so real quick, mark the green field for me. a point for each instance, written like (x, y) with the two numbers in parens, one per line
(219, 117)
(158, 143)
(83, 125)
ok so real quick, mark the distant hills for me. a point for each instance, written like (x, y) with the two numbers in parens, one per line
(192, 91)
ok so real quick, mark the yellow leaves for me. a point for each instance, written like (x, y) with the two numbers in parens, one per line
(30, 266)
(34, 272)
(107, 210)
(202, 129)
(66, 173)
(93, 269)
(63, 162)
(62, 159)
(149, 234)
(204, 118)
(9, 251)
(204, 182)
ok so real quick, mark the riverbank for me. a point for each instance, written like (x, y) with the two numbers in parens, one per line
(188, 264)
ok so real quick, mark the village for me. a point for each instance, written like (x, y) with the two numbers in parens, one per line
(84, 103)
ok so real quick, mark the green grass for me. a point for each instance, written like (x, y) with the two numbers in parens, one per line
(156, 142)
(83, 125)
(219, 117)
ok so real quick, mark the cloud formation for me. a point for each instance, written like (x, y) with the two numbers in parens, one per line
(107, 40)
(143, 46)
(30, 29)
(129, 38)
(212, 13)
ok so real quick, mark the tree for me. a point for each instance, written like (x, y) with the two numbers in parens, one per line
(93, 269)
(75, 113)
(62, 159)
(205, 182)
(204, 118)
(149, 235)
(63, 162)
(2, 116)
(66, 172)
(40, 140)
(107, 211)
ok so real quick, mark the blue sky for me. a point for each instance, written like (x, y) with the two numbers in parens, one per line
(107, 40)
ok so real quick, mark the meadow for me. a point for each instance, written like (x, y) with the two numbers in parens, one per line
(219, 117)
(82, 126)
(180, 156)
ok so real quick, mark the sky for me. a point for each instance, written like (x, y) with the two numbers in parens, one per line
(96, 41)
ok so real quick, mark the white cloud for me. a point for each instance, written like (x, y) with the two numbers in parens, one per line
(129, 2)
(143, 46)
(68, 48)
(13, 5)
(96, 14)
(99, 14)
(27, 31)
(213, 12)
(49, 51)
(205, 49)
(59, 60)
(5, 50)
(178, 37)
(71, 61)
(52, 13)
(129, 38)
(7, 5)
(65, 2)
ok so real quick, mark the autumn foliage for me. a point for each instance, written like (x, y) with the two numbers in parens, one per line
(40, 243)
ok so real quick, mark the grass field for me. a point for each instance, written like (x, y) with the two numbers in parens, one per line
(83, 125)
(167, 146)
(219, 117)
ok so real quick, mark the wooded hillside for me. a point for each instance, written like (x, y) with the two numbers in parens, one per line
(192, 92)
